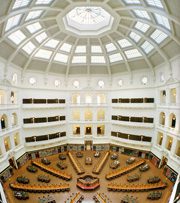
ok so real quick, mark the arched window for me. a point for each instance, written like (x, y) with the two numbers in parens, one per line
(88, 99)
(173, 95)
(14, 119)
(100, 115)
(101, 99)
(159, 138)
(172, 120)
(162, 118)
(163, 96)
(76, 99)
(16, 139)
(100, 130)
(76, 115)
(4, 121)
(169, 142)
(7, 143)
(88, 115)
(76, 130)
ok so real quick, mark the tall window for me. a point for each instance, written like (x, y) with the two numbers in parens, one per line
(162, 118)
(88, 99)
(172, 120)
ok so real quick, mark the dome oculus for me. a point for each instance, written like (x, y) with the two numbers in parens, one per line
(88, 19)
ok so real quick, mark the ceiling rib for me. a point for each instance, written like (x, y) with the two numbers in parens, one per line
(106, 58)
(122, 54)
(36, 50)
(70, 57)
(54, 53)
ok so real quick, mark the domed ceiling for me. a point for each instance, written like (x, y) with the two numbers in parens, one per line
(89, 36)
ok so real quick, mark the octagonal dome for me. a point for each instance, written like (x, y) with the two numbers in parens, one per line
(104, 36)
(88, 20)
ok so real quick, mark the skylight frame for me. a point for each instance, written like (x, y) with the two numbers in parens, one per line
(52, 43)
(43, 54)
(115, 57)
(17, 37)
(43, 2)
(34, 14)
(135, 37)
(79, 60)
(96, 49)
(13, 22)
(110, 47)
(98, 59)
(81, 49)
(29, 48)
(59, 56)
(41, 37)
(21, 4)
(66, 47)
(162, 21)
(132, 53)
(34, 27)
(143, 27)
(155, 3)
(132, 2)
(147, 47)
(142, 14)
(124, 43)
(158, 36)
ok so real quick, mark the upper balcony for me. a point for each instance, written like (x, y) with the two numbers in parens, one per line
(43, 103)
(133, 103)
(143, 122)
(43, 121)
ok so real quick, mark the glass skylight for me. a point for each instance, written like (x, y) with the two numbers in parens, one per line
(61, 58)
(21, 3)
(142, 14)
(52, 43)
(133, 53)
(44, 1)
(158, 36)
(29, 47)
(147, 47)
(161, 20)
(40, 38)
(110, 47)
(156, 3)
(66, 47)
(115, 57)
(13, 22)
(34, 27)
(79, 59)
(17, 37)
(33, 15)
(132, 1)
(124, 43)
(96, 49)
(98, 59)
(80, 49)
(135, 36)
(142, 27)
(87, 15)
(42, 53)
